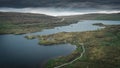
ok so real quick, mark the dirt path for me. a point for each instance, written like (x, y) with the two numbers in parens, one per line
(83, 48)
(61, 20)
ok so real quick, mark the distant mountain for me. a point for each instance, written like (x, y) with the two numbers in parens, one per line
(94, 16)
(19, 23)
(17, 18)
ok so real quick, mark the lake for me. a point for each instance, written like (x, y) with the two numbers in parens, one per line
(18, 52)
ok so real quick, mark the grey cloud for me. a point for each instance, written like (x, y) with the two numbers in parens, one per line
(107, 4)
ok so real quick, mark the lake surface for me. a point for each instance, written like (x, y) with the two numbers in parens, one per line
(18, 52)
(84, 25)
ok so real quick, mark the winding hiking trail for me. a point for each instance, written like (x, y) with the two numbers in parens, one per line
(83, 48)
(61, 20)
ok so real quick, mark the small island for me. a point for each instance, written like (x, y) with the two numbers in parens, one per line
(99, 24)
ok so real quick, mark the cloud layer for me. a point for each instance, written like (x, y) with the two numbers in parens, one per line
(102, 4)
(57, 11)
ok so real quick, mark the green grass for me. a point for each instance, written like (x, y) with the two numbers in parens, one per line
(21, 23)
(93, 16)
(102, 48)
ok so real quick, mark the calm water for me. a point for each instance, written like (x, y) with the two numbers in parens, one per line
(85, 25)
(18, 52)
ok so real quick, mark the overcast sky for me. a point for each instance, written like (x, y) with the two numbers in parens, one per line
(60, 7)
(101, 4)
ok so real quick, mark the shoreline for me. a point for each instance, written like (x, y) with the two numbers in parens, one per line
(91, 34)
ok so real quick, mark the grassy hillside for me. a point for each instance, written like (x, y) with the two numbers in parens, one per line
(25, 18)
(114, 16)
(18, 23)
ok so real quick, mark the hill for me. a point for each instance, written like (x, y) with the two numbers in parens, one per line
(25, 18)
(19, 23)
(94, 16)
